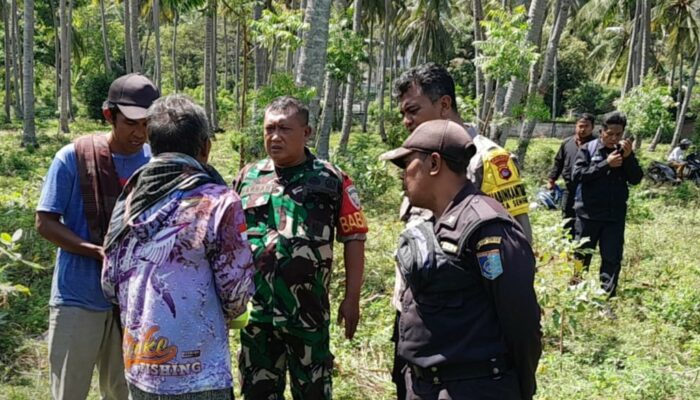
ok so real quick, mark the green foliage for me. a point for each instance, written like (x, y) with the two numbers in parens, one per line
(573, 68)
(533, 109)
(539, 160)
(590, 97)
(345, 49)
(93, 92)
(647, 107)
(507, 52)
(278, 29)
(373, 178)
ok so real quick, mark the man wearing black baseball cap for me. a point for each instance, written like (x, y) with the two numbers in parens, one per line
(470, 323)
(79, 193)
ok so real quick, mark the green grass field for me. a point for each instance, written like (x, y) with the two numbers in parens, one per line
(651, 350)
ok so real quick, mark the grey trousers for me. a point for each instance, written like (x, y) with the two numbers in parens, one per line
(223, 394)
(79, 341)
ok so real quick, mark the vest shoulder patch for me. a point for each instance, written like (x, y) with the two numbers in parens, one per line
(496, 240)
(490, 264)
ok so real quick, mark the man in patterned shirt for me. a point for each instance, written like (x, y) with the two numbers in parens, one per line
(177, 263)
(295, 206)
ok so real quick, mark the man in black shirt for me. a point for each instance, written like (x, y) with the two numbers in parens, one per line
(602, 171)
(564, 164)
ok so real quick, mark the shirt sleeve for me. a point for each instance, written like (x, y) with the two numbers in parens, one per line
(586, 170)
(558, 163)
(58, 183)
(351, 224)
(633, 172)
(507, 267)
(232, 261)
(109, 281)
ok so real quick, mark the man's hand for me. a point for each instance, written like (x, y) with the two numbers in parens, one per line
(349, 311)
(626, 148)
(615, 159)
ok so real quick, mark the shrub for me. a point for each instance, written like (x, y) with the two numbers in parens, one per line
(591, 97)
(93, 90)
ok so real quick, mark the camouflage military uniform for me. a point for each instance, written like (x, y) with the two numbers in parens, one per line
(292, 216)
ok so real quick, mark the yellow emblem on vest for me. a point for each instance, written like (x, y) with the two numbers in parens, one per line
(501, 180)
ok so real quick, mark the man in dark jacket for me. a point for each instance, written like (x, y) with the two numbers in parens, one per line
(603, 170)
(470, 322)
(564, 164)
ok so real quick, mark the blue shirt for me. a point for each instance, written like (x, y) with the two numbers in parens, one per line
(76, 278)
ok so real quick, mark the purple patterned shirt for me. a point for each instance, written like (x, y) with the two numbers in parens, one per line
(182, 271)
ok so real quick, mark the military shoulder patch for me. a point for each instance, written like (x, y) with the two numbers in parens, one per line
(490, 263)
(488, 240)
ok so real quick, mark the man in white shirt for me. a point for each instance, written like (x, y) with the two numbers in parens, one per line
(677, 157)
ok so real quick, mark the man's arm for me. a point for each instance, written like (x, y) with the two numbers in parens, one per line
(585, 170)
(558, 166)
(232, 260)
(354, 252)
(508, 272)
(524, 222)
(51, 228)
(633, 171)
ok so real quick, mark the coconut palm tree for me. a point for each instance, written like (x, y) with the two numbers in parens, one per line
(352, 78)
(312, 57)
(538, 87)
(105, 43)
(8, 56)
(65, 23)
(29, 134)
(425, 31)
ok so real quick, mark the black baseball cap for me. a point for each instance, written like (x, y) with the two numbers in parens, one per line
(445, 137)
(133, 94)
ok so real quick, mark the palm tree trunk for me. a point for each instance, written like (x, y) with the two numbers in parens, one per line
(226, 53)
(237, 63)
(312, 57)
(365, 104)
(8, 57)
(105, 43)
(207, 60)
(260, 52)
(64, 114)
(325, 125)
(352, 78)
(29, 135)
(382, 69)
(127, 36)
(562, 15)
(645, 45)
(134, 36)
(173, 51)
(632, 56)
(70, 51)
(156, 29)
(16, 55)
(56, 52)
(686, 100)
(479, 87)
(244, 91)
(536, 18)
(214, 82)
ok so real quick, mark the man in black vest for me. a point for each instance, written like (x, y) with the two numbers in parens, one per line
(470, 322)
(564, 166)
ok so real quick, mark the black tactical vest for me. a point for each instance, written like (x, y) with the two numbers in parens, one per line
(444, 289)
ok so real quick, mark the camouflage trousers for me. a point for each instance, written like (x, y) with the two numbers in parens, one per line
(267, 353)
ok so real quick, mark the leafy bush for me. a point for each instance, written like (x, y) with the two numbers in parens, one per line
(539, 160)
(591, 97)
(92, 91)
(647, 107)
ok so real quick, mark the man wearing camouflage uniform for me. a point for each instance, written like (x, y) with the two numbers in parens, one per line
(294, 204)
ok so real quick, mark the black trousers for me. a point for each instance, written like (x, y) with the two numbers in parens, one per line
(397, 372)
(503, 387)
(610, 237)
(567, 209)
